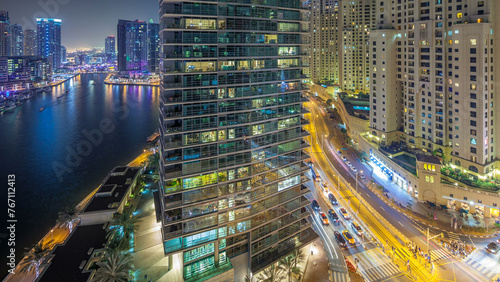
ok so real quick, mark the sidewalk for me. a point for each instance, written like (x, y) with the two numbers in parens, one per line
(316, 264)
(421, 212)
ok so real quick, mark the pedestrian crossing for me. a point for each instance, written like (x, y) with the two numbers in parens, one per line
(380, 272)
(340, 276)
(440, 254)
(487, 267)
(454, 236)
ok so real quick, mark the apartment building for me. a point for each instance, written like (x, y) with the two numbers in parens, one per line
(432, 78)
(232, 159)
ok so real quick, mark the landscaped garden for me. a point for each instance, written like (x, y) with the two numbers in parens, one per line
(469, 180)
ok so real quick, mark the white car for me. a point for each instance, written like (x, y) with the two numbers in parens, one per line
(362, 176)
(348, 163)
(353, 169)
(343, 158)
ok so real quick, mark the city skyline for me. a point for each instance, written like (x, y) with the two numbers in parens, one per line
(85, 24)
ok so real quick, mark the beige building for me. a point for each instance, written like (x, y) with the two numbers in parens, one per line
(432, 73)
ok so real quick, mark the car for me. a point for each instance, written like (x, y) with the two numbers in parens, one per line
(339, 152)
(318, 178)
(348, 163)
(333, 215)
(324, 219)
(498, 241)
(311, 164)
(332, 199)
(492, 247)
(324, 186)
(348, 237)
(344, 213)
(356, 228)
(315, 205)
(362, 176)
(353, 169)
(343, 158)
(339, 239)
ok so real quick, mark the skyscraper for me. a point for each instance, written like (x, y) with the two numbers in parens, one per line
(153, 47)
(110, 49)
(17, 40)
(231, 132)
(132, 45)
(325, 29)
(29, 42)
(5, 38)
(63, 54)
(49, 40)
(432, 70)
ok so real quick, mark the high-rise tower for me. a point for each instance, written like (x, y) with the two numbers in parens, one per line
(49, 40)
(231, 120)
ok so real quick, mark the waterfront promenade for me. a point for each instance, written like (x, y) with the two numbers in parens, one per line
(108, 80)
(57, 235)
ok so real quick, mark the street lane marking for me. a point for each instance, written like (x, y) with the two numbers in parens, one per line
(382, 208)
(400, 223)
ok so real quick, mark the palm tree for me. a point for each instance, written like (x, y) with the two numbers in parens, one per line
(154, 161)
(67, 218)
(271, 274)
(34, 258)
(287, 264)
(248, 279)
(298, 257)
(115, 266)
(123, 226)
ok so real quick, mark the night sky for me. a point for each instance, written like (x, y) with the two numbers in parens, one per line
(85, 23)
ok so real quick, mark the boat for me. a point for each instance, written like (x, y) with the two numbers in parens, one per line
(64, 94)
(153, 136)
(42, 108)
(9, 108)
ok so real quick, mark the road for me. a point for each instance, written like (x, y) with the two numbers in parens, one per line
(323, 128)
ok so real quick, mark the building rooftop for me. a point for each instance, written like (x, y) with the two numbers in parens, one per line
(69, 260)
(112, 191)
(428, 159)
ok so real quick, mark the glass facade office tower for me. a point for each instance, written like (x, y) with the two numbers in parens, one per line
(153, 47)
(231, 131)
(49, 40)
(132, 45)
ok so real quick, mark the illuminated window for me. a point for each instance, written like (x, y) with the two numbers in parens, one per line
(473, 41)
(459, 15)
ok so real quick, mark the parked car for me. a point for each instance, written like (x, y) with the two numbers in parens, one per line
(339, 152)
(315, 205)
(492, 247)
(362, 176)
(333, 215)
(332, 199)
(356, 228)
(348, 163)
(348, 237)
(343, 158)
(339, 239)
(324, 219)
(344, 213)
(353, 169)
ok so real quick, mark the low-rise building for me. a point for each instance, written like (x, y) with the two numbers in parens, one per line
(112, 196)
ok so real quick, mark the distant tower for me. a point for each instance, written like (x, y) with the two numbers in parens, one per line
(132, 45)
(153, 47)
(63, 54)
(4, 34)
(110, 49)
(17, 39)
(29, 42)
(49, 40)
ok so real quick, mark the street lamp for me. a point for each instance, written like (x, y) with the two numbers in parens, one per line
(52, 234)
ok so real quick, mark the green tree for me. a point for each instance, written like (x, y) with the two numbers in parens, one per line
(329, 101)
(34, 258)
(115, 266)
(272, 274)
(154, 161)
(298, 256)
(122, 228)
(287, 264)
(67, 218)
